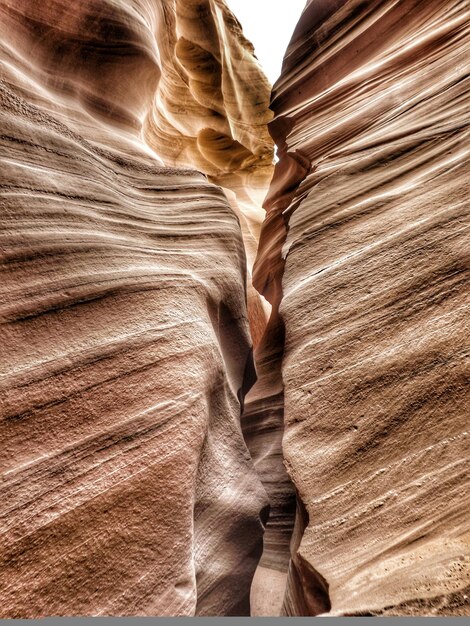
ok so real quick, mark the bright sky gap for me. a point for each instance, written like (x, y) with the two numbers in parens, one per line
(269, 25)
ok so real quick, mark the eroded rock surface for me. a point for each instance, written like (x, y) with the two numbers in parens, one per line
(127, 486)
(211, 108)
(127, 357)
(368, 229)
(263, 427)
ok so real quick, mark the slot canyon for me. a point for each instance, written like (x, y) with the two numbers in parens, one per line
(234, 316)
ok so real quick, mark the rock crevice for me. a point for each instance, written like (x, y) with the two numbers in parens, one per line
(154, 405)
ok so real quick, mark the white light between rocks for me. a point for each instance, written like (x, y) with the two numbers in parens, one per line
(269, 25)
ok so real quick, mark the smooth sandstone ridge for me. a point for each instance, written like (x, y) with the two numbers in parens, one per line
(211, 104)
(366, 242)
(127, 486)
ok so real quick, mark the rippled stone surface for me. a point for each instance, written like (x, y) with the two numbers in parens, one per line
(210, 110)
(126, 350)
(368, 229)
(211, 105)
(127, 486)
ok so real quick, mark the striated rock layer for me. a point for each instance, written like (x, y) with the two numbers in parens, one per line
(210, 112)
(211, 109)
(367, 229)
(127, 487)
(263, 427)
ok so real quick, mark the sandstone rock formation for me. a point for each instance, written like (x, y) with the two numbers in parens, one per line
(127, 486)
(210, 112)
(129, 321)
(211, 104)
(366, 242)
(263, 427)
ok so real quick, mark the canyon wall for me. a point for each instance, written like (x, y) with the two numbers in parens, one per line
(210, 112)
(128, 318)
(127, 486)
(366, 242)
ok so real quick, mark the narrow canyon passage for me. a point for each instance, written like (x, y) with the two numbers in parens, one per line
(232, 383)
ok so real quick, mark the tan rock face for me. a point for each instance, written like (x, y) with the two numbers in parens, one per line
(127, 486)
(368, 213)
(211, 106)
(210, 110)
(128, 314)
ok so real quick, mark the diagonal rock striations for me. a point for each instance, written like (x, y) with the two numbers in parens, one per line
(211, 108)
(127, 486)
(135, 155)
(366, 241)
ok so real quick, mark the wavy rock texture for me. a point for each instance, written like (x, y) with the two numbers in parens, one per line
(210, 112)
(127, 486)
(211, 105)
(263, 427)
(368, 229)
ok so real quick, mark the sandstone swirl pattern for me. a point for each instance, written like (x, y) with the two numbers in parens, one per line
(211, 105)
(127, 487)
(372, 118)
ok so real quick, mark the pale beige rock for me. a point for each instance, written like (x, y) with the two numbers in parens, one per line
(368, 230)
(211, 105)
(210, 112)
(267, 592)
(127, 486)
